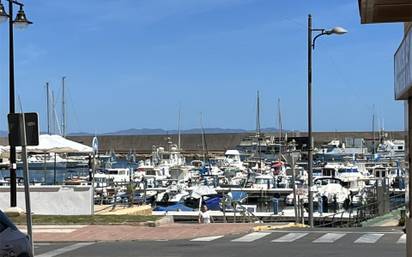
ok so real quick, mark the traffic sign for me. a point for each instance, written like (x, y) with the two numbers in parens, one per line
(31, 120)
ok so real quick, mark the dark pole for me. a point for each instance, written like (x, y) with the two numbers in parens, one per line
(13, 186)
(310, 139)
(409, 160)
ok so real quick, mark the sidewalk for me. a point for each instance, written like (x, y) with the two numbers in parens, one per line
(129, 233)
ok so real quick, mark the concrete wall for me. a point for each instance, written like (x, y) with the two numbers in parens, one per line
(52, 200)
(192, 143)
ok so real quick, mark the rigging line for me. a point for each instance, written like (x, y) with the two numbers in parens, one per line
(75, 116)
(56, 119)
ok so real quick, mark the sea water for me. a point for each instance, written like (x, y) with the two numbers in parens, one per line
(52, 176)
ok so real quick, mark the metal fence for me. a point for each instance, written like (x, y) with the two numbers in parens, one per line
(355, 216)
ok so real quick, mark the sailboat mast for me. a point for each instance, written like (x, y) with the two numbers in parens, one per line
(48, 107)
(53, 112)
(63, 108)
(373, 130)
(280, 130)
(204, 143)
(258, 131)
(203, 138)
(257, 115)
(53, 120)
(178, 130)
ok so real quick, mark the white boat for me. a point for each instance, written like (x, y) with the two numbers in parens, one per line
(45, 162)
(349, 174)
(391, 149)
(264, 182)
(232, 159)
(174, 194)
(120, 175)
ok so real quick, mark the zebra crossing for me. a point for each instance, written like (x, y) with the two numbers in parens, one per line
(312, 237)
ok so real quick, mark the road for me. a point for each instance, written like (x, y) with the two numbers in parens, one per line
(298, 243)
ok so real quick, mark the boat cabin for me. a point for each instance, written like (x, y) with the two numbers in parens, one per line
(264, 182)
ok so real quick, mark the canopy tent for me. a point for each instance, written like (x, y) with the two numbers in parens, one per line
(58, 144)
(54, 144)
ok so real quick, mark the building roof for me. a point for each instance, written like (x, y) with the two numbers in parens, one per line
(379, 11)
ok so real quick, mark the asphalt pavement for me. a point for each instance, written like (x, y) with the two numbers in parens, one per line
(295, 242)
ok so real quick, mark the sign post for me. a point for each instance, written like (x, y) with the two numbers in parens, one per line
(24, 130)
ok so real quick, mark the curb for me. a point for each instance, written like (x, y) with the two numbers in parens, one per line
(274, 227)
(163, 221)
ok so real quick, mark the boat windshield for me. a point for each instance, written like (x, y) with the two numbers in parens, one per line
(348, 170)
(317, 172)
(262, 181)
(328, 172)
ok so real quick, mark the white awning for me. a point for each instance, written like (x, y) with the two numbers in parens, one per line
(54, 144)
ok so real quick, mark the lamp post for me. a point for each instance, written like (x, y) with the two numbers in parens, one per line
(20, 21)
(311, 47)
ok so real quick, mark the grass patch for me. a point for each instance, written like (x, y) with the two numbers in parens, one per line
(85, 220)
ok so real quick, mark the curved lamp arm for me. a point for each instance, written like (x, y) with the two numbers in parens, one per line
(323, 32)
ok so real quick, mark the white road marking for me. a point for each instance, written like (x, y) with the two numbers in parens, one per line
(329, 238)
(59, 226)
(291, 237)
(346, 232)
(206, 239)
(402, 239)
(57, 231)
(368, 239)
(251, 237)
(64, 250)
(53, 228)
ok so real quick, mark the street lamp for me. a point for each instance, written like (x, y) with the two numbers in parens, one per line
(20, 21)
(311, 47)
(3, 14)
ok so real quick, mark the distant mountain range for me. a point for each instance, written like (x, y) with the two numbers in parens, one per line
(148, 131)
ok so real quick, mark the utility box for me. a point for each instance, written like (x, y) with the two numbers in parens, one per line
(31, 120)
(382, 190)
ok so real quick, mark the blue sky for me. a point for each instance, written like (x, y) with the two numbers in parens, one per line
(131, 63)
